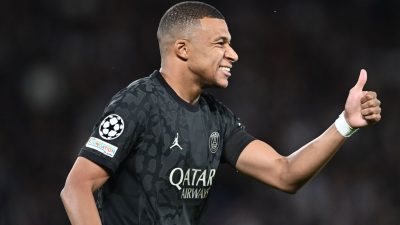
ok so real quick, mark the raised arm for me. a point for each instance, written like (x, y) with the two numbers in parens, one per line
(288, 174)
(77, 195)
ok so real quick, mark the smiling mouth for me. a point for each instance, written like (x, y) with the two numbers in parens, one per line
(225, 68)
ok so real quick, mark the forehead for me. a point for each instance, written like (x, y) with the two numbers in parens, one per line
(214, 28)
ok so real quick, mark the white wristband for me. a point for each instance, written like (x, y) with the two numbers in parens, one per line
(343, 127)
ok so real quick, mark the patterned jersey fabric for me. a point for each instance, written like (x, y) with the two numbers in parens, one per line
(161, 152)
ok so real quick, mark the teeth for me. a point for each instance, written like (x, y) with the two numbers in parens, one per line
(225, 68)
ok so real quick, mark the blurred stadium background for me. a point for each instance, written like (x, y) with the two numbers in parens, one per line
(62, 60)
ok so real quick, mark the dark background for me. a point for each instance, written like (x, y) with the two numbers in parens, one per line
(62, 60)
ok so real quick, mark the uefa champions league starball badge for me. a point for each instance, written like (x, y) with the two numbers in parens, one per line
(111, 127)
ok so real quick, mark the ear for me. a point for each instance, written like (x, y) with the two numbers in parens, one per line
(181, 49)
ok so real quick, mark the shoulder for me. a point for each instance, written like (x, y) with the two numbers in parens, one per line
(136, 93)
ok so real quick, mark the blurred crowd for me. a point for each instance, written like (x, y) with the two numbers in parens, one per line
(62, 60)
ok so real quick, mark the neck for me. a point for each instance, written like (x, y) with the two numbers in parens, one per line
(183, 84)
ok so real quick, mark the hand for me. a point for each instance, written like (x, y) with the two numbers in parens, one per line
(362, 107)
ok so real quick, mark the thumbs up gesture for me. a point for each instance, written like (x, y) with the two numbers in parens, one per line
(362, 107)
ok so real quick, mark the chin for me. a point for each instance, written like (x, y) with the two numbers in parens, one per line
(218, 83)
(222, 84)
(225, 85)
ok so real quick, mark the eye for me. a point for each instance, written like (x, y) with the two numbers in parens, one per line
(222, 42)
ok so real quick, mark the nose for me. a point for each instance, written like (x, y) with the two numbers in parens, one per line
(231, 54)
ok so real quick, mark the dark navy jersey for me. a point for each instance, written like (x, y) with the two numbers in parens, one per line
(161, 152)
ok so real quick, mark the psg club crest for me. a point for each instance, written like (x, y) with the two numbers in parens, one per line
(111, 127)
(213, 142)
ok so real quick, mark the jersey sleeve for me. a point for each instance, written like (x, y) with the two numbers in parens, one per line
(236, 138)
(117, 130)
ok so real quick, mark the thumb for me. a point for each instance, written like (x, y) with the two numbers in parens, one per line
(362, 79)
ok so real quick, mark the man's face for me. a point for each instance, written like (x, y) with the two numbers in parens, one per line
(210, 54)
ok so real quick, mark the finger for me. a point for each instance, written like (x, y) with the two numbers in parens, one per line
(368, 95)
(371, 111)
(371, 103)
(373, 118)
(362, 79)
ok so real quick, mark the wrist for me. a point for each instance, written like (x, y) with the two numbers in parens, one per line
(343, 127)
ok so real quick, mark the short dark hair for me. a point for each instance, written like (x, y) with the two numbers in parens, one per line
(181, 16)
